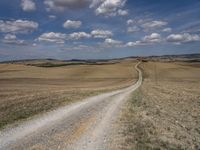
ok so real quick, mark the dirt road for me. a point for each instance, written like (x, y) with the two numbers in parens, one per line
(83, 125)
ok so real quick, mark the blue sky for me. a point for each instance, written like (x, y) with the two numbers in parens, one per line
(97, 29)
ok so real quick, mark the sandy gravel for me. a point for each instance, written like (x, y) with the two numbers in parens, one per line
(82, 125)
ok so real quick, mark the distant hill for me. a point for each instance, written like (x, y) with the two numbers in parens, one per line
(56, 63)
(183, 57)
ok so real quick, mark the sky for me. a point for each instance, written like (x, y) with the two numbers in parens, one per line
(97, 29)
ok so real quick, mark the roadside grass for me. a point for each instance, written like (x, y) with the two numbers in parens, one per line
(139, 131)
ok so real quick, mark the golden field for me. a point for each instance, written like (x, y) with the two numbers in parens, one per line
(27, 90)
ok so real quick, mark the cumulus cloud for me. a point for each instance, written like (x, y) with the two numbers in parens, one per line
(147, 25)
(101, 7)
(61, 5)
(122, 12)
(101, 33)
(183, 38)
(72, 24)
(173, 38)
(28, 5)
(140, 22)
(18, 26)
(153, 38)
(130, 22)
(53, 37)
(60, 38)
(133, 29)
(111, 42)
(12, 39)
(148, 39)
(136, 43)
(154, 24)
(167, 30)
(79, 35)
(109, 7)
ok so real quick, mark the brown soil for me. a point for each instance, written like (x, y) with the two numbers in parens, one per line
(165, 112)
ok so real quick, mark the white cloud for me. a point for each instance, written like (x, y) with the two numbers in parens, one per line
(136, 43)
(72, 24)
(60, 38)
(61, 5)
(50, 5)
(18, 26)
(153, 38)
(101, 7)
(154, 24)
(122, 12)
(183, 38)
(148, 39)
(174, 38)
(167, 30)
(111, 42)
(138, 22)
(146, 25)
(12, 39)
(52, 17)
(109, 7)
(79, 35)
(53, 37)
(95, 3)
(101, 33)
(28, 5)
(34, 44)
(133, 29)
(130, 22)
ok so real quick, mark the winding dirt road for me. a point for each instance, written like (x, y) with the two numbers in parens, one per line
(83, 125)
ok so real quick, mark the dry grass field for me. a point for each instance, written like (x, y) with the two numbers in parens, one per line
(27, 90)
(165, 112)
